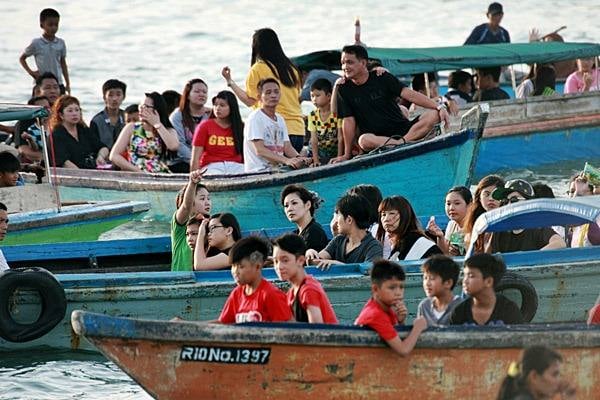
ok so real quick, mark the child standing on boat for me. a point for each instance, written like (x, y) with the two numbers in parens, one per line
(254, 299)
(481, 275)
(49, 51)
(386, 307)
(440, 274)
(324, 126)
(306, 298)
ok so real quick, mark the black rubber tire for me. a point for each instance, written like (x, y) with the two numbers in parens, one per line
(53, 303)
(529, 304)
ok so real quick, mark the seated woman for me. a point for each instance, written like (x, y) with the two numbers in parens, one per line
(299, 206)
(28, 134)
(185, 120)
(482, 202)
(218, 142)
(452, 242)
(75, 145)
(146, 143)
(399, 225)
(223, 230)
(585, 79)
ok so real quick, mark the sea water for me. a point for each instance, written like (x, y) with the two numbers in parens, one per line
(160, 45)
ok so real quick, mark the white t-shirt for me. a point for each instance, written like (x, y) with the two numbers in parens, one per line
(274, 134)
(3, 264)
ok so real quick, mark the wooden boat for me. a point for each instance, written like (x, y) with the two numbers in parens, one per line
(73, 222)
(183, 360)
(253, 197)
(545, 129)
(37, 214)
(550, 286)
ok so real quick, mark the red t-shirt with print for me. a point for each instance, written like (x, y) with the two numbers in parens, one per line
(266, 304)
(217, 143)
(373, 316)
(311, 293)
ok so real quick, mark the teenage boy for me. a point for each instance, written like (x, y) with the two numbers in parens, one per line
(49, 51)
(306, 298)
(367, 101)
(440, 274)
(266, 140)
(3, 229)
(193, 200)
(254, 299)
(9, 170)
(354, 243)
(488, 85)
(386, 306)
(108, 123)
(481, 275)
(324, 126)
(491, 31)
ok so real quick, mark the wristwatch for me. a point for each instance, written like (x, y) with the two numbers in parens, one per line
(157, 126)
(440, 106)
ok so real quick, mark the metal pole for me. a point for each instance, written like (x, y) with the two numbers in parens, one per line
(47, 167)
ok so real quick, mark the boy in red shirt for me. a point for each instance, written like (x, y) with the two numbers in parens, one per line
(254, 299)
(382, 311)
(306, 298)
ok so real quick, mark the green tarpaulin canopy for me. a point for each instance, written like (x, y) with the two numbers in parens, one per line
(414, 61)
(18, 112)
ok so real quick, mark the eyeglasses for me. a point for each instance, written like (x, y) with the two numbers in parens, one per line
(211, 229)
(513, 199)
(145, 106)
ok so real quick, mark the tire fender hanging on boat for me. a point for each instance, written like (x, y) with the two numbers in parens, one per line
(52, 300)
(529, 297)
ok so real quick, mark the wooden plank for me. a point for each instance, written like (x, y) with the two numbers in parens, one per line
(28, 198)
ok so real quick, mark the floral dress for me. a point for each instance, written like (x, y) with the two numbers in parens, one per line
(147, 151)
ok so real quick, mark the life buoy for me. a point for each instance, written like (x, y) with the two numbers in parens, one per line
(53, 303)
(529, 297)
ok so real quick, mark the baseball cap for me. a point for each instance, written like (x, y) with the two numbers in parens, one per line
(516, 185)
(495, 8)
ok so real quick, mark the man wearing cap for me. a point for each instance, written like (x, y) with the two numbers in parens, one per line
(522, 239)
(490, 32)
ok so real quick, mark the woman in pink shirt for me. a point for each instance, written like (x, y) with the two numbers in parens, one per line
(585, 79)
(218, 141)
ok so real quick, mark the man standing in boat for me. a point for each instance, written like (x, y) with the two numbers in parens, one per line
(368, 102)
(491, 31)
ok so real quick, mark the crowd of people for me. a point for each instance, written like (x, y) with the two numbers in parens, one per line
(169, 132)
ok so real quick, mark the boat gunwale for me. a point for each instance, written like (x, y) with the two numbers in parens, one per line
(98, 326)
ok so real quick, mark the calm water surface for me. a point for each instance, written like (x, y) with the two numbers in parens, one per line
(159, 45)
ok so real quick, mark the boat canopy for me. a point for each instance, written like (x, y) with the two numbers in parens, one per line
(409, 61)
(538, 213)
(18, 112)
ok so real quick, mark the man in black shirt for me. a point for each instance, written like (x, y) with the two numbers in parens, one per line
(488, 85)
(368, 101)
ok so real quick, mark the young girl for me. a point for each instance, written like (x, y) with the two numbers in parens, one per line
(536, 377)
(218, 142)
(399, 225)
(299, 206)
(306, 297)
(453, 242)
(585, 79)
(482, 202)
(185, 119)
(223, 231)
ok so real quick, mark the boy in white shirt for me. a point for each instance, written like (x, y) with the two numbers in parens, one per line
(266, 140)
